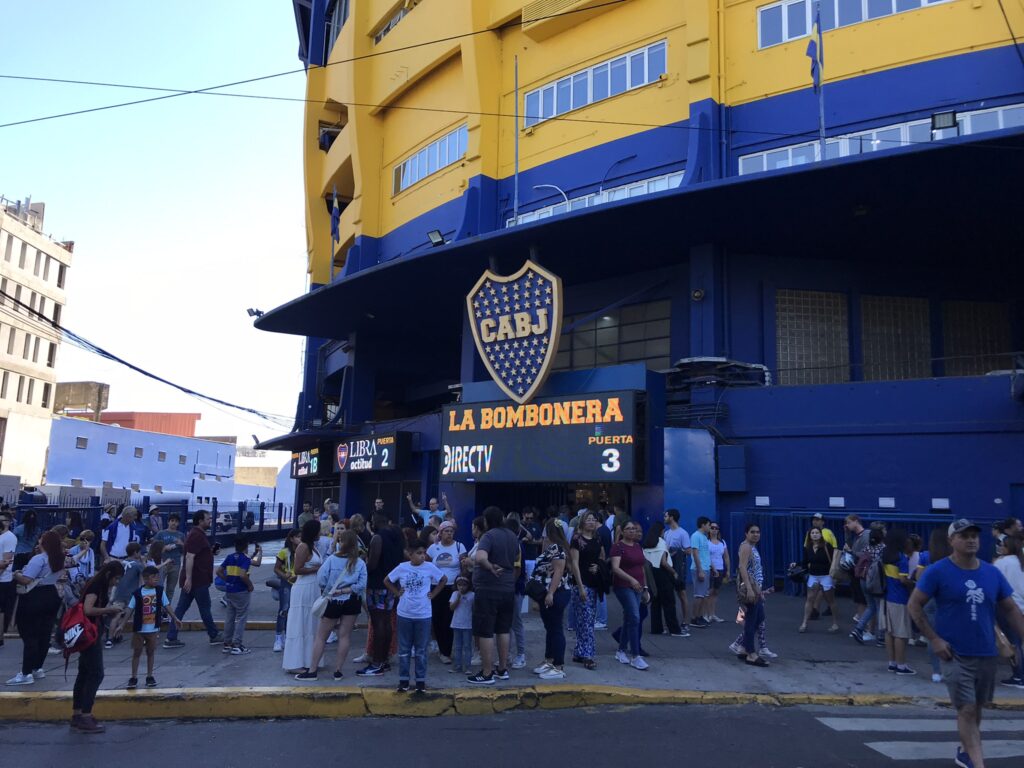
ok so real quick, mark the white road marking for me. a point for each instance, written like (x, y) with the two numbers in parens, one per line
(912, 725)
(931, 750)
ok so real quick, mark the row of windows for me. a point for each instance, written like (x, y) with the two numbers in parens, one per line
(886, 137)
(601, 81)
(639, 333)
(793, 19)
(622, 192)
(36, 302)
(334, 20)
(813, 334)
(391, 24)
(31, 345)
(82, 443)
(24, 389)
(432, 158)
(43, 265)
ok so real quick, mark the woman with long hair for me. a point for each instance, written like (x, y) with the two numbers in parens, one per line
(95, 606)
(663, 600)
(1011, 565)
(818, 561)
(750, 575)
(627, 561)
(873, 553)
(551, 572)
(301, 625)
(37, 608)
(720, 568)
(341, 579)
(284, 571)
(586, 553)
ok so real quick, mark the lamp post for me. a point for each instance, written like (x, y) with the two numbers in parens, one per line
(556, 188)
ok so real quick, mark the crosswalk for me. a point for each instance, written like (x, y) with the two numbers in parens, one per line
(918, 747)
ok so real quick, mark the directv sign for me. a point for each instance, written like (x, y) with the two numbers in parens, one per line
(306, 463)
(371, 453)
(586, 438)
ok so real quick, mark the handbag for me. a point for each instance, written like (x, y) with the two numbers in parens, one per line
(652, 585)
(320, 604)
(744, 592)
(796, 573)
(536, 591)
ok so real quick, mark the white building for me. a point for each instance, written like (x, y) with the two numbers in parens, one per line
(33, 271)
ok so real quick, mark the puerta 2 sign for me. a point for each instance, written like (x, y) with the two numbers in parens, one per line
(588, 438)
(369, 453)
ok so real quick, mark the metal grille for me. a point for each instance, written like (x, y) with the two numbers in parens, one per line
(639, 333)
(896, 337)
(976, 337)
(812, 337)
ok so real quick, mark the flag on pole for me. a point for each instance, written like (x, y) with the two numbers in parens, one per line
(335, 217)
(816, 49)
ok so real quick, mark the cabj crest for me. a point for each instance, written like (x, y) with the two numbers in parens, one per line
(516, 323)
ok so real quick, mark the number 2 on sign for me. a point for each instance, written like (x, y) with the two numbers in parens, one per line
(611, 460)
(385, 462)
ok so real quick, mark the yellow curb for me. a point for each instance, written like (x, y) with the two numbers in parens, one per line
(337, 702)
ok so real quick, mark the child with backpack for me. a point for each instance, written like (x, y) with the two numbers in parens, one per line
(234, 573)
(133, 563)
(147, 606)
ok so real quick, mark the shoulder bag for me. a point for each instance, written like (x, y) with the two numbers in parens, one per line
(320, 604)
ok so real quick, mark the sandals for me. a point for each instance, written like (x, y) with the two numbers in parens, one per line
(803, 628)
(590, 664)
(834, 628)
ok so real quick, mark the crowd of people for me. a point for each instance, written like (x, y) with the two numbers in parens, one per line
(425, 592)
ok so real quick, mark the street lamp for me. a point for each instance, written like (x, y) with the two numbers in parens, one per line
(558, 189)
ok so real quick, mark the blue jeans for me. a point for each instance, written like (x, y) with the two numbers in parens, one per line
(554, 635)
(462, 649)
(870, 611)
(284, 600)
(413, 633)
(630, 636)
(753, 617)
(602, 610)
(201, 595)
(1015, 640)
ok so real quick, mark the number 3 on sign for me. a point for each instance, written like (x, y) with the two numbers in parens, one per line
(611, 460)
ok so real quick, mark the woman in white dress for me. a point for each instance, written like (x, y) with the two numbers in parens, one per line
(301, 631)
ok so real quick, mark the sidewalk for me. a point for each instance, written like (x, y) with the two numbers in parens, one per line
(816, 667)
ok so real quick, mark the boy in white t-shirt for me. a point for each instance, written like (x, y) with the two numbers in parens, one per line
(415, 583)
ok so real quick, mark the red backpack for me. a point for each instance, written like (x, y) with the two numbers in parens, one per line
(78, 631)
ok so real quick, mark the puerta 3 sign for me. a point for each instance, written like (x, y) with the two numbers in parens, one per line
(516, 322)
(588, 438)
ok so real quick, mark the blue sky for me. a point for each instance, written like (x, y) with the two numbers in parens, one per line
(184, 212)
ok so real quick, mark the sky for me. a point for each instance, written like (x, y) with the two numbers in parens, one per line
(185, 212)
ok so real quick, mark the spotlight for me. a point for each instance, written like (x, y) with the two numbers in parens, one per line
(435, 237)
(254, 312)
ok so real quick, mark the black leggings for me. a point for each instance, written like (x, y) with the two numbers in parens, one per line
(36, 615)
(90, 675)
(442, 621)
(381, 621)
(664, 604)
(8, 596)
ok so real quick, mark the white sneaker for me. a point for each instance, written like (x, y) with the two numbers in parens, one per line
(542, 668)
(278, 644)
(551, 673)
(737, 648)
(475, 660)
(936, 678)
(39, 674)
(768, 654)
(20, 679)
(717, 619)
(519, 661)
(444, 659)
(332, 638)
(599, 625)
(54, 651)
(364, 659)
(621, 657)
(868, 637)
(639, 663)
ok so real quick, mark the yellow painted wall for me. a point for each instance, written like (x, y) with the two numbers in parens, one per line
(712, 54)
(937, 31)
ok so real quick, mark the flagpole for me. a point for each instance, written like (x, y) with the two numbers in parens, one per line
(515, 183)
(821, 77)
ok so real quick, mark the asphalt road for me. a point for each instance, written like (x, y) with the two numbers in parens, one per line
(740, 737)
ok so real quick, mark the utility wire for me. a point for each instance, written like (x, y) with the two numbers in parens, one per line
(1009, 28)
(83, 343)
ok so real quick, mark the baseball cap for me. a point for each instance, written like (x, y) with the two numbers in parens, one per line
(817, 516)
(961, 525)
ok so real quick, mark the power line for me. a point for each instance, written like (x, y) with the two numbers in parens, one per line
(83, 343)
(1009, 28)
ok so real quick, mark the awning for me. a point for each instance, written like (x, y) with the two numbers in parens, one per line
(956, 199)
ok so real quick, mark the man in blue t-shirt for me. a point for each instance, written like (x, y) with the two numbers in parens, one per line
(967, 593)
